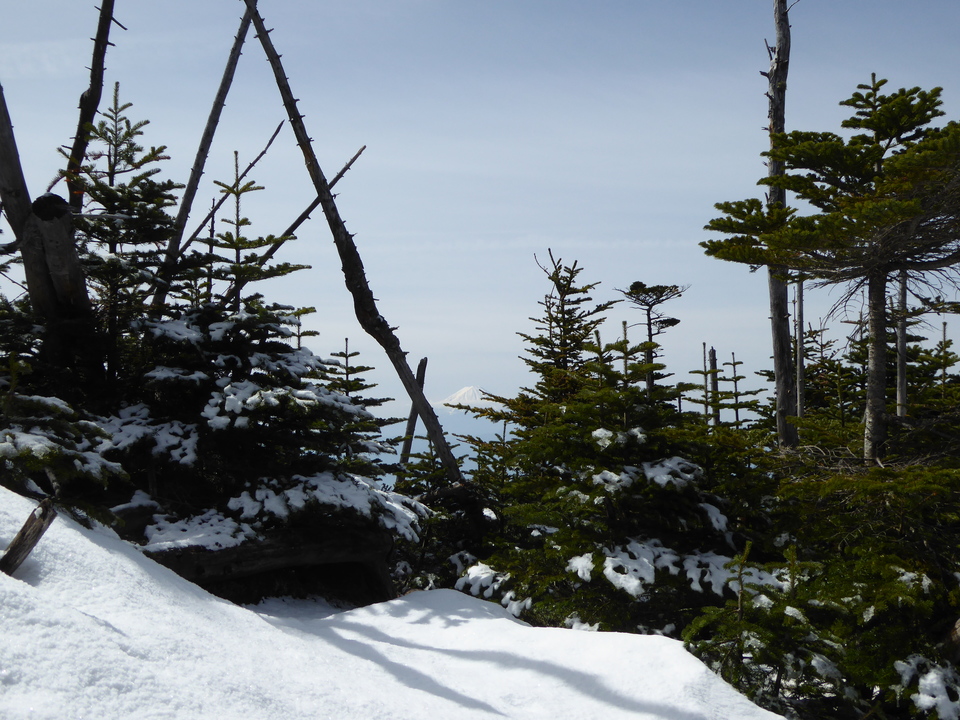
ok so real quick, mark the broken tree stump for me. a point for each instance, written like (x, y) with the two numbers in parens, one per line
(28, 537)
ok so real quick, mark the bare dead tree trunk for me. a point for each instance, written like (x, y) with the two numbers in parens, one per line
(706, 387)
(17, 206)
(647, 353)
(44, 231)
(55, 280)
(89, 103)
(801, 361)
(13, 186)
(875, 424)
(902, 347)
(714, 386)
(203, 152)
(354, 275)
(776, 276)
(412, 420)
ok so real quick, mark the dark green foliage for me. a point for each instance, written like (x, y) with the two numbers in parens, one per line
(866, 583)
(210, 408)
(603, 520)
(46, 448)
(886, 206)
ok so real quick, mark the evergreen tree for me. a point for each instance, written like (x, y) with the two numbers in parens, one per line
(123, 230)
(858, 618)
(886, 204)
(211, 410)
(649, 298)
(603, 521)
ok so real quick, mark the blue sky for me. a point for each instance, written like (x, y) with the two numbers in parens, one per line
(495, 131)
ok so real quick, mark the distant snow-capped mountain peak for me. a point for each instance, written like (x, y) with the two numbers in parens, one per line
(470, 395)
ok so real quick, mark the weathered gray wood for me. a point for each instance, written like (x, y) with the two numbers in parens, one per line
(26, 540)
(89, 103)
(800, 362)
(13, 185)
(44, 232)
(173, 250)
(786, 401)
(714, 385)
(364, 303)
(412, 420)
(902, 347)
(874, 417)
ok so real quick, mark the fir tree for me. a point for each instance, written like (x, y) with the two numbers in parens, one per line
(886, 205)
(599, 511)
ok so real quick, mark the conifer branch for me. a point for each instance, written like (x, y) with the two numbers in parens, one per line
(234, 291)
(223, 198)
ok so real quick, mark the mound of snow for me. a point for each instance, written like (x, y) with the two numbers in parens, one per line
(93, 629)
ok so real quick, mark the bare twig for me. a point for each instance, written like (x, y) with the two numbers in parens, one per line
(223, 198)
(365, 305)
(235, 290)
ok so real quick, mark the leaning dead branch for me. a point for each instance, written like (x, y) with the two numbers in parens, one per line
(223, 198)
(174, 249)
(89, 102)
(365, 306)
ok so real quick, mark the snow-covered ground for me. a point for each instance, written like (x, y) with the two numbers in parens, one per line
(91, 629)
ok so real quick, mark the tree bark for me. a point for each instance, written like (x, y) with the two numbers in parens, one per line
(57, 287)
(875, 425)
(13, 186)
(647, 353)
(89, 103)
(714, 386)
(26, 540)
(801, 361)
(364, 303)
(55, 281)
(783, 369)
(412, 420)
(902, 347)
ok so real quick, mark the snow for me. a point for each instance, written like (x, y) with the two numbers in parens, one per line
(934, 687)
(209, 530)
(93, 629)
(470, 395)
(582, 565)
(674, 470)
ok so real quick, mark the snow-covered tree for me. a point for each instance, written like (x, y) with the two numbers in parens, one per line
(208, 410)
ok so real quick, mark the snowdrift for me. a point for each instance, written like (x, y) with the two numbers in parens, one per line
(93, 629)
